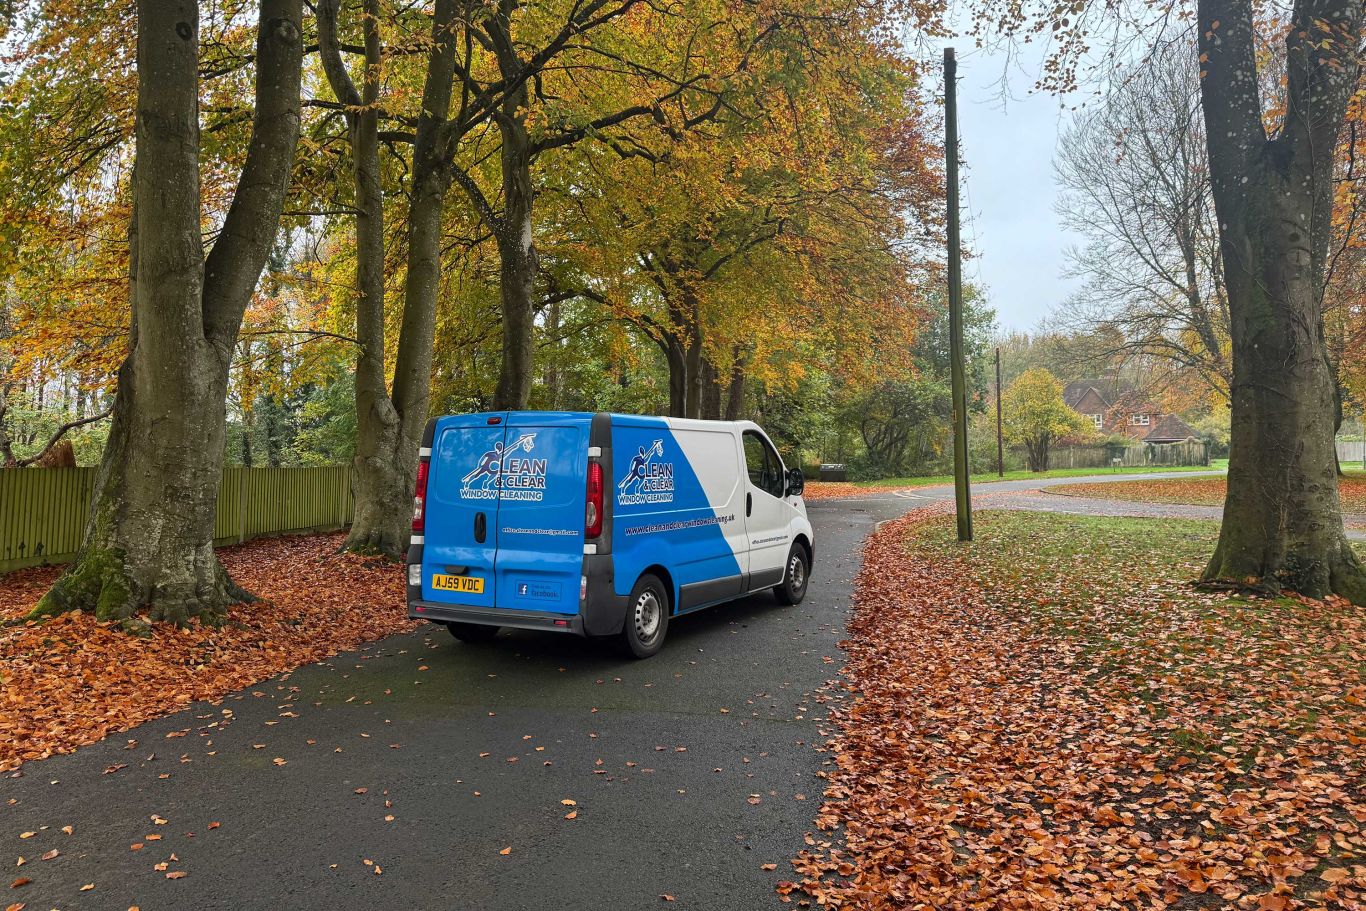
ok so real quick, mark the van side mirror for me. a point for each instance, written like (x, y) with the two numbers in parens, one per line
(796, 482)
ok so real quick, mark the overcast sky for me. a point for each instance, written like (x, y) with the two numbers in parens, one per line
(1008, 198)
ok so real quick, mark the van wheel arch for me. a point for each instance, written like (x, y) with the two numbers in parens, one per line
(662, 575)
(810, 551)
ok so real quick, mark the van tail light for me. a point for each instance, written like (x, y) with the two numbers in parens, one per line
(592, 509)
(420, 498)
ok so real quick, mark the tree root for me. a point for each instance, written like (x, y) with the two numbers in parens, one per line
(99, 582)
(373, 543)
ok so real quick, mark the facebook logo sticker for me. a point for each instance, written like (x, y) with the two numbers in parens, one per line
(540, 591)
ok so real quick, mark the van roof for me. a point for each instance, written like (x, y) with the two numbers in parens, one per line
(513, 416)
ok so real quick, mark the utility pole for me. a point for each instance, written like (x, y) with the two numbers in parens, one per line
(961, 484)
(1000, 442)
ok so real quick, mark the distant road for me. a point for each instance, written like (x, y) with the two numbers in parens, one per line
(1029, 495)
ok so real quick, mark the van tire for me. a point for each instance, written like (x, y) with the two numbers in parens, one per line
(796, 575)
(472, 632)
(647, 617)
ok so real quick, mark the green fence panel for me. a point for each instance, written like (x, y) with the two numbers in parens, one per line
(43, 510)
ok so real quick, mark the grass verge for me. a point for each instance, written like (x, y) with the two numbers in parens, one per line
(988, 477)
(1199, 491)
(833, 490)
(1051, 717)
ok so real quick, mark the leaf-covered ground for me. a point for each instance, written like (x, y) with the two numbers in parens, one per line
(1202, 491)
(838, 490)
(1052, 718)
(71, 681)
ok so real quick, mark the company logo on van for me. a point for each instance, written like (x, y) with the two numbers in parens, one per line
(501, 472)
(647, 481)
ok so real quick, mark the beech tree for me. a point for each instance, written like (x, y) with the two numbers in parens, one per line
(1282, 525)
(492, 58)
(1271, 163)
(148, 542)
(561, 74)
(784, 234)
(389, 419)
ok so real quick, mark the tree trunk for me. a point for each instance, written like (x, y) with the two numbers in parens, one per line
(694, 357)
(248, 457)
(149, 538)
(694, 382)
(1037, 448)
(554, 379)
(7, 459)
(378, 480)
(711, 391)
(1282, 525)
(678, 378)
(389, 425)
(735, 394)
(518, 265)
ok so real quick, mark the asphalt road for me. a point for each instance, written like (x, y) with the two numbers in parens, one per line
(1031, 496)
(689, 771)
(984, 489)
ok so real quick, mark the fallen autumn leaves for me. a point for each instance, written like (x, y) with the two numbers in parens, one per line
(1198, 491)
(1051, 718)
(71, 681)
(840, 490)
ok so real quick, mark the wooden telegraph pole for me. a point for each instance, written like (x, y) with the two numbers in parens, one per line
(961, 484)
(1000, 442)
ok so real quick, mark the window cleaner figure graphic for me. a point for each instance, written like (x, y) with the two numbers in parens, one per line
(490, 466)
(638, 462)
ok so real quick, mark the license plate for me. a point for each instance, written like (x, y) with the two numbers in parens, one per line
(469, 585)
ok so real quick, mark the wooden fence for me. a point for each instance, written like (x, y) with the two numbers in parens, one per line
(1135, 456)
(1350, 451)
(43, 510)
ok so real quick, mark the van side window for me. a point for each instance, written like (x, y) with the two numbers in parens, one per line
(764, 467)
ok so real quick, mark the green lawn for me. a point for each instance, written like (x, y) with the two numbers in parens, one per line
(985, 478)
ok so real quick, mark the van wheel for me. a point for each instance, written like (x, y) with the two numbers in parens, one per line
(472, 632)
(647, 617)
(798, 573)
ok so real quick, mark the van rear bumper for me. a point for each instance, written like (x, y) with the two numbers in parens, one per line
(495, 616)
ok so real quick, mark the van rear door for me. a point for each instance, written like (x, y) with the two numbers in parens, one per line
(541, 512)
(461, 535)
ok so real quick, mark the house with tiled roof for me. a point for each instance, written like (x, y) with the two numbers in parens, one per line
(1118, 409)
(1171, 429)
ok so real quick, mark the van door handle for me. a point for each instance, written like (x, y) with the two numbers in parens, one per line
(481, 527)
(749, 505)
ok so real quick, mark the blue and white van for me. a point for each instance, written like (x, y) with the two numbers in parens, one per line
(599, 524)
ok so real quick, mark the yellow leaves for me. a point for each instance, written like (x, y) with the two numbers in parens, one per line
(1034, 410)
(506, 851)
